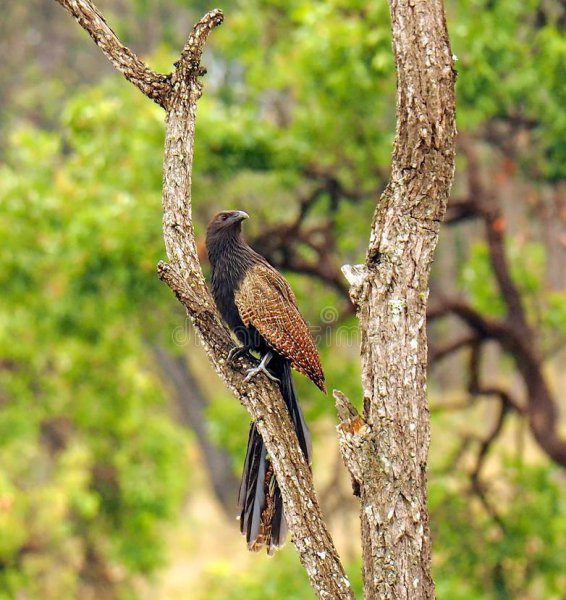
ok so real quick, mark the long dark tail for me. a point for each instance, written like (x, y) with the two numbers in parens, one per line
(261, 519)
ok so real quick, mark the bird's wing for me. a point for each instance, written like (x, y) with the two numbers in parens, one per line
(266, 301)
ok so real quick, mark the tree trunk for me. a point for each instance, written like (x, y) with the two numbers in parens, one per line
(386, 449)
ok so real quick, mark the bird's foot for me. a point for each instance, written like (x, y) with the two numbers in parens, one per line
(237, 352)
(261, 368)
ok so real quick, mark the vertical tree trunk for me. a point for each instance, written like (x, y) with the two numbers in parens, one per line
(390, 290)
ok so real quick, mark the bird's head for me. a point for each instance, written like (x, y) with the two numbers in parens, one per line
(226, 221)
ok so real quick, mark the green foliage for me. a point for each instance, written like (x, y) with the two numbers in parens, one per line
(92, 464)
(511, 66)
(477, 559)
(477, 279)
(554, 315)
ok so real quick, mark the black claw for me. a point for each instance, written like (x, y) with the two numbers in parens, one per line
(237, 352)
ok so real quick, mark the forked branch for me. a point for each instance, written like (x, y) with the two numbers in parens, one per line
(178, 93)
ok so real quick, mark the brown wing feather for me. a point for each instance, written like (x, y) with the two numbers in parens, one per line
(266, 301)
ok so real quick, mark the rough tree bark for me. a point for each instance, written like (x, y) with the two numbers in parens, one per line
(386, 448)
(178, 94)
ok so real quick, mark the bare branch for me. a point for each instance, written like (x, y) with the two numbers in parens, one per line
(488, 208)
(437, 353)
(516, 333)
(485, 327)
(456, 457)
(352, 435)
(476, 388)
(191, 55)
(479, 490)
(520, 343)
(460, 210)
(154, 85)
(485, 446)
(184, 276)
(506, 403)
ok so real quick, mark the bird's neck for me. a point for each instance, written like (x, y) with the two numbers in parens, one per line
(230, 257)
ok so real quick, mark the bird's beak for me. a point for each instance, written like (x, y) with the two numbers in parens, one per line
(241, 215)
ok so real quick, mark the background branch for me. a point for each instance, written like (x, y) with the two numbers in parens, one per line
(191, 407)
(514, 333)
(518, 339)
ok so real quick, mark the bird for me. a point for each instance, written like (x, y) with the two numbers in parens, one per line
(259, 306)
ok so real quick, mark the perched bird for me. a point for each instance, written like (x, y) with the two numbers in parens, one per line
(259, 306)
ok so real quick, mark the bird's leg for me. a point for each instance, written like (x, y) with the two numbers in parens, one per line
(237, 352)
(261, 368)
